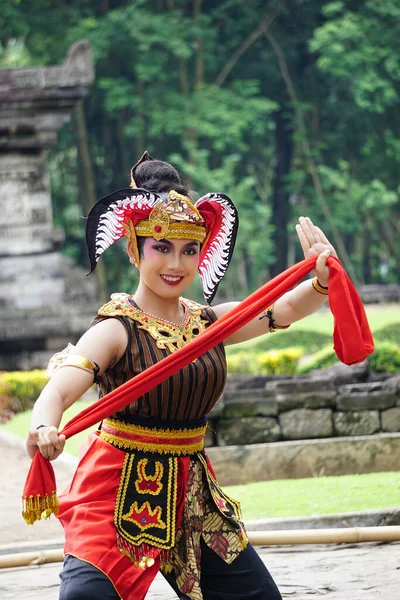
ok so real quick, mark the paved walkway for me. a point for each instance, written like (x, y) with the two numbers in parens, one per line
(362, 572)
(330, 572)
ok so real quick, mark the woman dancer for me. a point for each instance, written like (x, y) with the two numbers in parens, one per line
(144, 497)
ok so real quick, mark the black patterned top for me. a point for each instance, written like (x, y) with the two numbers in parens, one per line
(188, 394)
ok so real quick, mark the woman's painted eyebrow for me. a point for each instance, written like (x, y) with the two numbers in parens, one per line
(188, 245)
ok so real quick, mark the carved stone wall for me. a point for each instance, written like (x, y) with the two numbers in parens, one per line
(44, 298)
(343, 401)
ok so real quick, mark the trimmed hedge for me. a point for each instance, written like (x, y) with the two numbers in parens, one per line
(20, 389)
(384, 359)
(322, 359)
(388, 333)
(274, 362)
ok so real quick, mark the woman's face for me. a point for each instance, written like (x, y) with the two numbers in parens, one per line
(169, 266)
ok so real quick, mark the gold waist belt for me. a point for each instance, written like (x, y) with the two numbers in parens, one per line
(150, 439)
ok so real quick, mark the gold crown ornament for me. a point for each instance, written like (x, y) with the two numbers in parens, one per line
(178, 218)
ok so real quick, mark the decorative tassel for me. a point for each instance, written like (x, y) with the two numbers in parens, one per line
(166, 564)
(142, 556)
(35, 508)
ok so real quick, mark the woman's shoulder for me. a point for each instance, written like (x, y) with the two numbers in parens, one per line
(119, 305)
(202, 310)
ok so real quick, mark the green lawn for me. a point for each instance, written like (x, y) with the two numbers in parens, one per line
(378, 316)
(19, 426)
(317, 496)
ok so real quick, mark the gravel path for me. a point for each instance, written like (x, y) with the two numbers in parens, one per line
(345, 572)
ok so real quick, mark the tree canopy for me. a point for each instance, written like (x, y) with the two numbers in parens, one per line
(289, 107)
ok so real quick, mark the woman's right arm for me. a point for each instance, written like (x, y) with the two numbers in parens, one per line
(103, 344)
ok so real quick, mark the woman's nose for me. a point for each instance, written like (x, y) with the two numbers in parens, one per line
(174, 261)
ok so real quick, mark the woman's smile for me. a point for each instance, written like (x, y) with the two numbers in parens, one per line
(171, 279)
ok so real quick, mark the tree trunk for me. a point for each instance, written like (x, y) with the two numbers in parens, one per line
(88, 192)
(280, 195)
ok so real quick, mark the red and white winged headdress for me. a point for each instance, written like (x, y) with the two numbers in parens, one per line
(213, 221)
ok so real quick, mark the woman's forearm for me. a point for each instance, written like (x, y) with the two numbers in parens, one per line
(48, 408)
(300, 302)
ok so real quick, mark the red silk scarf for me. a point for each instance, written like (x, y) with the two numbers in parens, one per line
(352, 341)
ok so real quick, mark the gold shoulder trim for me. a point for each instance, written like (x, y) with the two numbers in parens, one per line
(118, 306)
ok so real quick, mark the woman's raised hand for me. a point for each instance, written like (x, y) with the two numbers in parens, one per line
(47, 441)
(315, 243)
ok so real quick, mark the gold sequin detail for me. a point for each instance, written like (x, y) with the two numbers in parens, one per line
(166, 334)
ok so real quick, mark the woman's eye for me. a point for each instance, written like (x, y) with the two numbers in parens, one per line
(162, 249)
(191, 251)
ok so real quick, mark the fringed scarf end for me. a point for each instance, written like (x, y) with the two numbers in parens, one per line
(35, 508)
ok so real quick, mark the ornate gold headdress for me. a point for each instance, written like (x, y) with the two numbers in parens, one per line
(178, 218)
(213, 222)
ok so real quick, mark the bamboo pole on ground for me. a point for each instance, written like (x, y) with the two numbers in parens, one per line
(348, 535)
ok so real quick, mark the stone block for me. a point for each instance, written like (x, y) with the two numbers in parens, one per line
(341, 374)
(247, 430)
(391, 419)
(317, 399)
(352, 388)
(365, 400)
(248, 382)
(299, 385)
(235, 465)
(364, 422)
(392, 385)
(251, 404)
(304, 423)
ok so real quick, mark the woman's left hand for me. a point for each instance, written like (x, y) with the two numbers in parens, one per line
(315, 243)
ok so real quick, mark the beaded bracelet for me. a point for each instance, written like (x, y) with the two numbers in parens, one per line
(269, 314)
(319, 288)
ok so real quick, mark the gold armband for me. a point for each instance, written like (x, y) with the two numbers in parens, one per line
(269, 314)
(68, 358)
(319, 288)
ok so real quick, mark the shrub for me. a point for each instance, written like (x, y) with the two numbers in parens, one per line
(240, 363)
(389, 333)
(279, 362)
(322, 359)
(274, 362)
(20, 389)
(385, 358)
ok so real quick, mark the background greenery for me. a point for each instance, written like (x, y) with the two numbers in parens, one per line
(290, 107)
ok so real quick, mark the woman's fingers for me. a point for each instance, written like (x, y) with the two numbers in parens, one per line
(48, 441)
(305, 245)
(307, 227)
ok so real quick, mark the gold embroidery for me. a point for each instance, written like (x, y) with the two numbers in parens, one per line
(166, 334)
(162, 441)
(149, 484)
(142, 538)
(145, 517)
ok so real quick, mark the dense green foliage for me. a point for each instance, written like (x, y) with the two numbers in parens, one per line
(290, 107)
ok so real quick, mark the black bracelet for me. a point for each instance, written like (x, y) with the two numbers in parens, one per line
(39, 426)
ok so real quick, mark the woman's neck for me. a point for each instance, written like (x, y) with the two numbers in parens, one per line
(169, 309)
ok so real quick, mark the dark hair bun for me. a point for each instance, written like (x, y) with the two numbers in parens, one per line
(158, 176)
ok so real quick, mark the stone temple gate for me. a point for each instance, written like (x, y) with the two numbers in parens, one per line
(45, 300)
